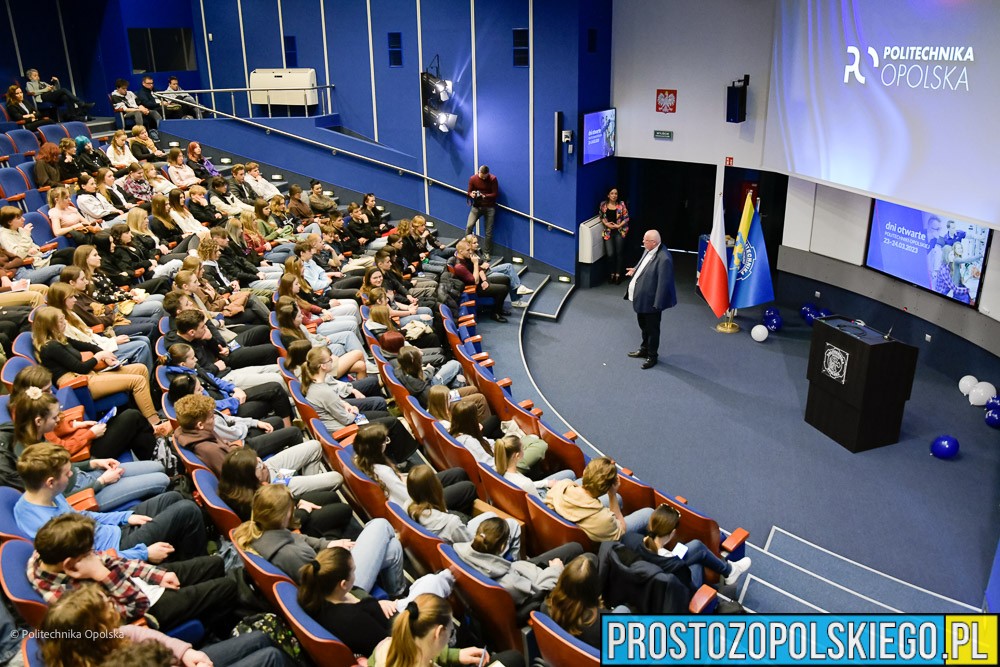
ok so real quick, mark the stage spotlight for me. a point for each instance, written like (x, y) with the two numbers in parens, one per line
(435, 88)
(444, 122)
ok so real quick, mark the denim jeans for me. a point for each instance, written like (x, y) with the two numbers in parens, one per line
(142, 479)
(447, 374)
(508, 270)
(151, 307)
(340, 324)
(253, 649)
(698, 557)
(637, 521)
(138, 352)
(267, 284)
(377, 551)
(306, 459)
(343, 341)
(489, 214)
(47, 274)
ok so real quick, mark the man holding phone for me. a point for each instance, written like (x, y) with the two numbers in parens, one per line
(51, 93)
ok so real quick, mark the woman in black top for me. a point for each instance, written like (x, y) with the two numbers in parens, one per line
(68, 168)
(17, 110)
(120, 268)
(64, 357)
(90, 159)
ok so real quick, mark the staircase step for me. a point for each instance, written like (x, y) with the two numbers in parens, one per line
(765, 598)
(807, 586)
(882, 587)
(549, 300)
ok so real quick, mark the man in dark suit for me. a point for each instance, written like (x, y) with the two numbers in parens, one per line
(651, 291)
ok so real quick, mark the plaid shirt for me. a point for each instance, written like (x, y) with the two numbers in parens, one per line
(127, 598)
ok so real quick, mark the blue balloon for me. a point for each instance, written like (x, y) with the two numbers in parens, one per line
(807, 307)
(773, 322)
(769, 311)
(810, 317)
(945, 447)
(824, 312)
(993, 403)
(993, 418)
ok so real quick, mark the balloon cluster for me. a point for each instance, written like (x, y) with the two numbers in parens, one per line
(771, 322)
(982, 394)
(810, 311)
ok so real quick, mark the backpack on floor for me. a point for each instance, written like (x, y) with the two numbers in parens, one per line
(275, 628)
(164, 453)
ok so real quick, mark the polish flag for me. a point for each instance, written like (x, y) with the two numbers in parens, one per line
(714, 278)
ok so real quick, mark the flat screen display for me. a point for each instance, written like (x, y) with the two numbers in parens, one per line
(937, 253)
(598, 135)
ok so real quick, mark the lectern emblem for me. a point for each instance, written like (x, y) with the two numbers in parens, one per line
(835, 363)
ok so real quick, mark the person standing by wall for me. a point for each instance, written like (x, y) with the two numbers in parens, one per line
(483, 190)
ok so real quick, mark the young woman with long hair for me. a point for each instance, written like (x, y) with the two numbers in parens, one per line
(130, 253)
(119, 153)
(380, 320)
(66, 220)
(35, 414)
(64, 359)
(47, 166)
(377, 551)
(329, 593)
(468, 431)
(575, 603)
(160, 184)
(370, 456)
(181, 216)
(430, 511)
(374, 279)
(345, 344)
(100, 317)
(508, 461)
(319, 513)
(108, 189)
(83, 628)
(102, 289)
(339, 316)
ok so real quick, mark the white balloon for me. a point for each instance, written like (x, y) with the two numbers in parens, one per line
(967, 383)
(759, 333)
(981, 393)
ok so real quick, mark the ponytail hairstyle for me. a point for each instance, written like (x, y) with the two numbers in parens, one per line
(575, 600)
(504, 450)
(26, 409)
(464, 419)
(315, 358)
(417, 620)
(409, 358)
(369, 450)
(425, 491)
(81, 629)
(663, 521)
(439, 402)
(296, 355)
(320, 576)
(491, 536)
(272, 510)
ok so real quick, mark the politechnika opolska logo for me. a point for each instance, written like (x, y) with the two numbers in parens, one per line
(917, 67)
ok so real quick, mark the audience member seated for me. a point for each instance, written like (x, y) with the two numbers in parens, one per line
(263, 188)
(527, 581)
(126, 431)
(127, 303)
(336, 598)
(182, 175)
(180, 104)
(68, 168)
(108, 188)
(510, 460)
(89, 159)
(361, 229)
(203, 167)
(506, 269)
(377, 551)
(581, 503)
(84, 629)
(118, 269)
(99, 315)
(467, 270)
(96, 208)
(345, 345)
(403, 313)
(15, 238)
(47, 166)
(166, 229)
(298, 204)
(337, 317)
(414, 373)
(224, 201)
(252, 346)
(370, 211)
(197, 589)
(239, 187)
(64, 359)
(166, 526)
(429, 510)
(18, 111)
(154, 176)
(127, 102)
(66, 220)
(416, 332)
(319, 512)
(575, 603)
(203, 211)
(370, 445)
(320, 203)
(143, 147)
(135, 185)
(683, 560)
(128, 253)
(119, 153)
(421, 635)
(52, 93)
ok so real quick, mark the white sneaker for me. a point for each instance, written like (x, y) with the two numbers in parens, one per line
(519, 304)
(524, 289)
(739, 567)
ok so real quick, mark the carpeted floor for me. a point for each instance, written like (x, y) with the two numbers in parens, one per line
(720, 421)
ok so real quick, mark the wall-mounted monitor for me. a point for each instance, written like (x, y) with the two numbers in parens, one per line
(598, 135)
(934, 252)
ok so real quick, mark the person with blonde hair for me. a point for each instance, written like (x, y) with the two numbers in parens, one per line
(143, 147)
(15, 239)
(119, 152)
(66, 220)
(377, 551)
(508, 461)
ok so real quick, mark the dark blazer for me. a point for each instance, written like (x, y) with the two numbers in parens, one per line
(654, 289)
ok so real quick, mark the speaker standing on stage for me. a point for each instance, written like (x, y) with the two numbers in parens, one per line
(651, 291)
(483, 191)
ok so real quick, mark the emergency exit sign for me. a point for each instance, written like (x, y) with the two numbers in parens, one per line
(663, 134)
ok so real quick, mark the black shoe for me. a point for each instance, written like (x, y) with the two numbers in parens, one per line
(649, 363)
(497, 317)
(638, 353)
(87, 105)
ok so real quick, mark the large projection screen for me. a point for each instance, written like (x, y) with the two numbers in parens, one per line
(896, 98)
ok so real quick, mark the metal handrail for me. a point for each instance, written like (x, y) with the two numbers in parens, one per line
(364, 158)
(251, 90)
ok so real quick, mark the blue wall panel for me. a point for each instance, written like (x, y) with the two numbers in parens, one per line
(301, 20)
(263, 40)
(397, 89)
(223, 24)
(350, 71)
(8, 57)
(37, 28)
(502, 92)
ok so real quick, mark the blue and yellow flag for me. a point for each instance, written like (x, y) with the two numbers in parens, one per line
(749, 272)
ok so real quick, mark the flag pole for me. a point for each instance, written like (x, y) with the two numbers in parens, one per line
(728, 327)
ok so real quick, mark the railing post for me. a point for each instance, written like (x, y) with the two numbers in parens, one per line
(232, 102)
(268, 103)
